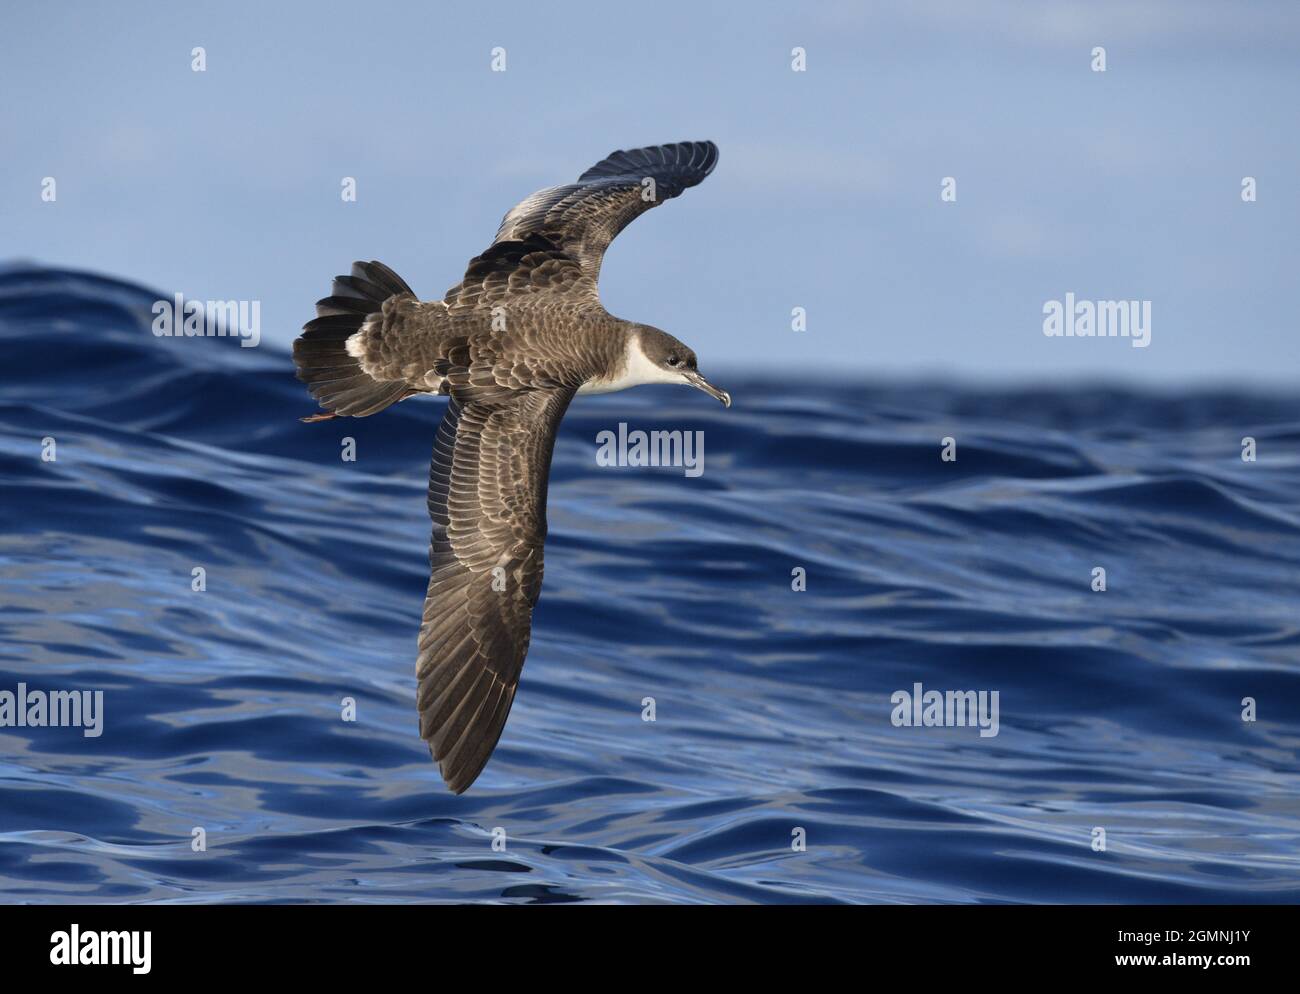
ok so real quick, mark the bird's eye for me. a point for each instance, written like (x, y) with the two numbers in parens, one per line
(673, 360)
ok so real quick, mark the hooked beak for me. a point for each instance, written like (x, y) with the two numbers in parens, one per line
(700, 383)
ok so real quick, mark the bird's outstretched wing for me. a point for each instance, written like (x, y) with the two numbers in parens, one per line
(487, 499)
(558, 236)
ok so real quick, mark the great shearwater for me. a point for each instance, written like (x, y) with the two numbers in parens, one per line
(511, 345)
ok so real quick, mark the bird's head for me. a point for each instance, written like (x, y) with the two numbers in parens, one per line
(670, 361)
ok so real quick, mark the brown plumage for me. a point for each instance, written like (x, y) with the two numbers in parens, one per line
(511, 344)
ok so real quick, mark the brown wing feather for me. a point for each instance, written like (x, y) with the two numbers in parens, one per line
(487, 501)
(533, 265)
(556, 238)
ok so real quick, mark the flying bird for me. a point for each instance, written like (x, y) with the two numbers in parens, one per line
(511, 344)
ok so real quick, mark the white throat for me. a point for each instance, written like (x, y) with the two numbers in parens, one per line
(637, 371)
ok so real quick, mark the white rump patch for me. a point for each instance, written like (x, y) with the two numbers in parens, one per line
(354, 344)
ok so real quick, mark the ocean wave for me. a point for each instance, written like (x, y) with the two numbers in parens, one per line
(1119, 709)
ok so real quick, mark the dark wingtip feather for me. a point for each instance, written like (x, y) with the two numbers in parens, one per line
(691, 162)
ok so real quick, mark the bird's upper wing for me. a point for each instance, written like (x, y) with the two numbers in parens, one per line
(487, 499)
(565, 230)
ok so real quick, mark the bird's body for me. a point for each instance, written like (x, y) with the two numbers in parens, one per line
(511, 345)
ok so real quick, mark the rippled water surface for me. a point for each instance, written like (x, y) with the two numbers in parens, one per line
(1119, 710)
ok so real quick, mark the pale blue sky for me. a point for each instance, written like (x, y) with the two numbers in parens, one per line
(225, 184)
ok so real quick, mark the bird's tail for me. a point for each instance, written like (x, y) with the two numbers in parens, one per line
(333, 374)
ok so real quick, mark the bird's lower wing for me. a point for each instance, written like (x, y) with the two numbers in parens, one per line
(487, 500)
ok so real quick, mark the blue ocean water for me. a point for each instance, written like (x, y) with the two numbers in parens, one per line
(1119, 710)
